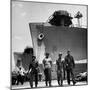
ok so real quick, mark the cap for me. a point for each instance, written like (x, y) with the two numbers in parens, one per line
(46, 53)
(68, 50)
(60, 53)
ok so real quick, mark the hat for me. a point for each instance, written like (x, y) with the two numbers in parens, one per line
(60, 53)
(46, 53)
(68, 50)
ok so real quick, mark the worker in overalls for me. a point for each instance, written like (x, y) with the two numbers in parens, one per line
(59, 65)
(70, 65)
(33, 72)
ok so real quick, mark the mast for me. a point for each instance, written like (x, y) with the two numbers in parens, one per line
(78, 16)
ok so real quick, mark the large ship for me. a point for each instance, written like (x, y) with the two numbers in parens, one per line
(59, 35)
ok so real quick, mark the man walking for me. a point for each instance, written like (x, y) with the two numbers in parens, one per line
(59, 70)
(70, 65)
(33, 72)
(47, 63)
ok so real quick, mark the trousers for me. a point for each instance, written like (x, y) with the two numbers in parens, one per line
(70, 73)
(60, 77)
(47, 73)
(33, 76)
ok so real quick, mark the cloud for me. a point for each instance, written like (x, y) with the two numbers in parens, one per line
(17, 4)
(20, 5)
(23, 14)
(13, 5)
(18, 38)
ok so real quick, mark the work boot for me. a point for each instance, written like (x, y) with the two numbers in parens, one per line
(74, 82)
(46, 84)
(50, 84)
(59, 83)
(35, 85)
(68, 83)
(31, 86)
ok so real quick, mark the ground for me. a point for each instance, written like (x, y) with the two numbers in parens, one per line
(41, 84)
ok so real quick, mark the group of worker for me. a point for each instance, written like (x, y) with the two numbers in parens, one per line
(62, 66)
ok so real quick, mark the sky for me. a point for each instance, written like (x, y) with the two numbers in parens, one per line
(25, 12)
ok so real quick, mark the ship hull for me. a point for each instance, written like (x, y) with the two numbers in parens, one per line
(59, 39)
